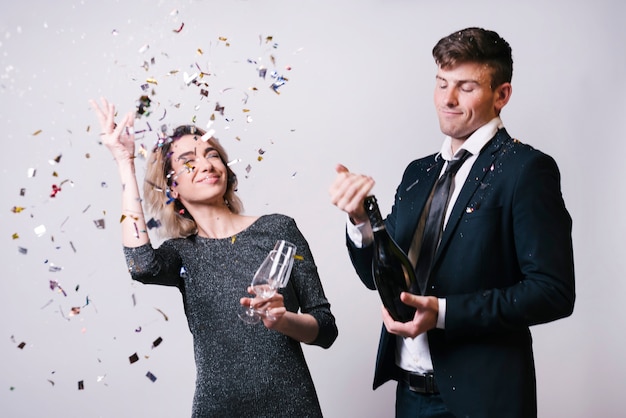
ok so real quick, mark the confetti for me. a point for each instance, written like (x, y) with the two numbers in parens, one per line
(153, 223)
(37, 132)
(55, 285)
(99, 223)
(17, 209)
(40, 230)
(15, 236)
(133, 358)
(81, 385)
(156, 342)
(55, 189)
(54, 269)
(182, 25)
(151, 377)
(162, 313)
(143, 103)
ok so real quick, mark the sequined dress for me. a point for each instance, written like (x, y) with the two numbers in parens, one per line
(242, 370)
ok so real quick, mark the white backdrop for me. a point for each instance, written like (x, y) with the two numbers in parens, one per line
(359, 91)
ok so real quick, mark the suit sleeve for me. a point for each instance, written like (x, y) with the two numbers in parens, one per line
(536, 283)
(362, 257)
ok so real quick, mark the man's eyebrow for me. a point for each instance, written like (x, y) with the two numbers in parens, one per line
(457, 82)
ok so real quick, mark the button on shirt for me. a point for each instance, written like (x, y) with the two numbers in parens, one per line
(413, 354)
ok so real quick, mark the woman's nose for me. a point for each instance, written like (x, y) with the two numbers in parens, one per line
(203, 164)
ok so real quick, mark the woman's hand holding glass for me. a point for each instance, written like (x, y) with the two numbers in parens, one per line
(272, 274)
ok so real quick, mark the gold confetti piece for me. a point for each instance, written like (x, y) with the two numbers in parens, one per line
(259, 158)
(223, 38)
(162, 313)
(15, 236)
(37, 132)
(245, 110)
(199, 51)
(233, 239)
(298, 257)
(151, 81)
(17, 209)
(122, 218)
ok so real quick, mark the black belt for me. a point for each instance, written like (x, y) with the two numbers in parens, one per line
(418, 382)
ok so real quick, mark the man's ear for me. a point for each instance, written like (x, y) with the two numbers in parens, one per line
(503, 94)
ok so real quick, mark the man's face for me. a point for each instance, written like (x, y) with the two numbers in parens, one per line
(464, 99)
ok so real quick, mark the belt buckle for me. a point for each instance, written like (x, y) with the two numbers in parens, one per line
(422, 383)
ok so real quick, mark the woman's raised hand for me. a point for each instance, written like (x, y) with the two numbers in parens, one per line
(118, 138)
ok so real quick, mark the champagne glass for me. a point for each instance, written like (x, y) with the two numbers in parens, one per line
(272, 274)
(288, 251)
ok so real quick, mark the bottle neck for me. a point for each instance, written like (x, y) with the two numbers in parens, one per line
(373, 212)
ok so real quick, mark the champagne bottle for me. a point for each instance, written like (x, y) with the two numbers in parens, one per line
(393, 272)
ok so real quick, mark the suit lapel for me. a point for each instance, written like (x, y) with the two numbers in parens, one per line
(413, 197)
(482, 166)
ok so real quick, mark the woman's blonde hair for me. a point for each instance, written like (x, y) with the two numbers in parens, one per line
(175, 220)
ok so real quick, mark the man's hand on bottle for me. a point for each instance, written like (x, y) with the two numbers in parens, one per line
(426, 312)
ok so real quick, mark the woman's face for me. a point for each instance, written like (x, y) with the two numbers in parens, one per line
(198, 174)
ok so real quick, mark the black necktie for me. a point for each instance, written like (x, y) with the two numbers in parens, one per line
(434, 221)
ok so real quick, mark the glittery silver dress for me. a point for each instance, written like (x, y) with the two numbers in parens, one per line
(242, 370)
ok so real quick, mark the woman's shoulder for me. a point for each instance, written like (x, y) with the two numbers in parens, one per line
(275, 218)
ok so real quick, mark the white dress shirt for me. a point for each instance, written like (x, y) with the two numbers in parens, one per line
(413, 354)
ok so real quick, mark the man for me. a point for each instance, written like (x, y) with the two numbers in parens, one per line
(502, 263)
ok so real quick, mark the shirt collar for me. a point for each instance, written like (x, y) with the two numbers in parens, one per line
(475, 142)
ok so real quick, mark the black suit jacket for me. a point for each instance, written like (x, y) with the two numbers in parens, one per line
(505, 263)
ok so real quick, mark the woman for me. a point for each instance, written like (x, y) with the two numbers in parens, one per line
(211, 255)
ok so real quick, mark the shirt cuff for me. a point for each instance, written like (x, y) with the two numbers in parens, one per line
(361, 234)
(441, 318)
